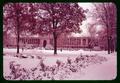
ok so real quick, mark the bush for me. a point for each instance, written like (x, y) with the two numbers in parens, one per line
(59, 71)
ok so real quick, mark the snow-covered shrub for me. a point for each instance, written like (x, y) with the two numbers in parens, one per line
(58, 62)
(23, 56)
(18, 55)
(59, 71)
(39, 57)
(73, 68)
(69, 61)
(77, 59)
(42, 65)
(17, 72)
(14, 70)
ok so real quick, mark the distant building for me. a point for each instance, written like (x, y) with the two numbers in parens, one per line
(47, 42)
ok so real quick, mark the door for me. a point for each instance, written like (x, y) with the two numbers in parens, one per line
(44, 43)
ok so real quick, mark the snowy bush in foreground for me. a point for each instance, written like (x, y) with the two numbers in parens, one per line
(59, 71)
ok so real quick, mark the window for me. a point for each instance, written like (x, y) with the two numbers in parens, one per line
(84, 41)
(79, 42)
(51, 41)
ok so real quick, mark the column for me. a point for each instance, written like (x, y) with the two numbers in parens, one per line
(69, 43)
(81, 41)
(30, 40)
(87, 42)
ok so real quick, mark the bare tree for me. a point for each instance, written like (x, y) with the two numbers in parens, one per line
(92, 31)
(106, 12)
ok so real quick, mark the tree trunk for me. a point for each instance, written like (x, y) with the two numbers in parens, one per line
(18, 38)
(108, 46)
(18, 30)
(55, 42)
(108, 39)
(54, 28)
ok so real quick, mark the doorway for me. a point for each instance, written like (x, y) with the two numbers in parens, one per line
(44, 43)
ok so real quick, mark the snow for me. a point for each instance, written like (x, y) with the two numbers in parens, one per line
(106, 70)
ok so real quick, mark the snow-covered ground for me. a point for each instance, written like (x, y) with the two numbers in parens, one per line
(106, 70)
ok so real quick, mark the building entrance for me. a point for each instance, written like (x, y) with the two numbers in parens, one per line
(44, 43)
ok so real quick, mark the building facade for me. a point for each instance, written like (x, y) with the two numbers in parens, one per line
(48, 42)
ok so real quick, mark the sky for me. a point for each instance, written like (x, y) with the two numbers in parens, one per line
(86, 5)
